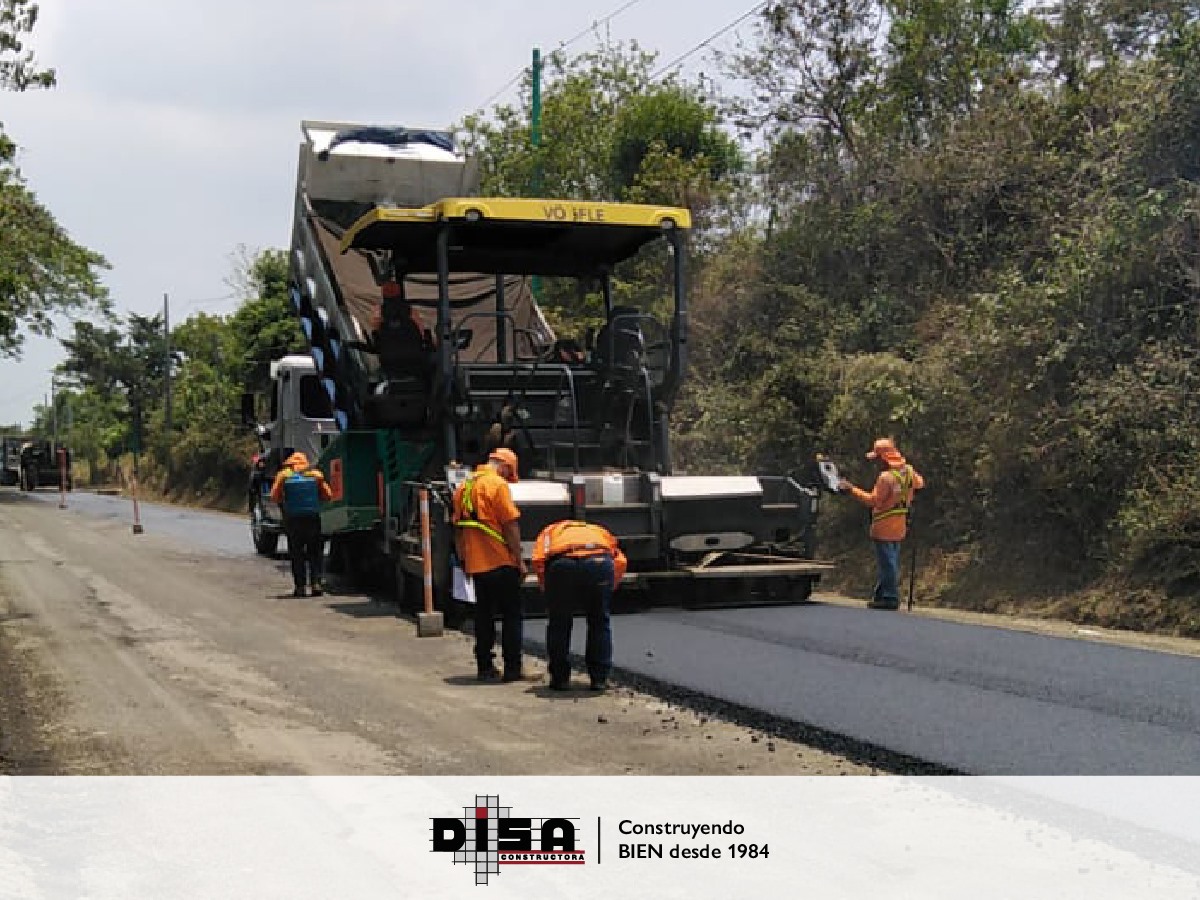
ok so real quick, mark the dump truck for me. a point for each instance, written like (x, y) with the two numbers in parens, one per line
(10, 459)
(427, 349)
(43, 463)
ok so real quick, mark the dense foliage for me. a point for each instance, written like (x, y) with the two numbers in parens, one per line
(983, 240)
(42, 271)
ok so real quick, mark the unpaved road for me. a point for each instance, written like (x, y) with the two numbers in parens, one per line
(124, 654)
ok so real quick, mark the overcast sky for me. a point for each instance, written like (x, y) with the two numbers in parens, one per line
(171, 137)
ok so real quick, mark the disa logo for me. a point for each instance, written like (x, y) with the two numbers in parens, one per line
(488, 836)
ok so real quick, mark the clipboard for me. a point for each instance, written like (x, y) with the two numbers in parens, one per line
(462, 585)
(829, 474)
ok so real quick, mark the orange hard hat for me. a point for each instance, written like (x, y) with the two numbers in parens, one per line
(885, 449)
(297, 461)
(506, 456)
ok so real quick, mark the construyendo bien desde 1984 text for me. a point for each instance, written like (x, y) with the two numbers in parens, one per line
(689, 831)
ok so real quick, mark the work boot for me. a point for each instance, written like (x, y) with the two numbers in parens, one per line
(560, 684)
(488, 673)
(599, 685)
(883, 604)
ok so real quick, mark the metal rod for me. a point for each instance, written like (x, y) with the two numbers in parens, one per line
(137, 518)
(444, 331)
(912, 576)
(167, 377)
(426, 550)
(501, 337)
(62, 477)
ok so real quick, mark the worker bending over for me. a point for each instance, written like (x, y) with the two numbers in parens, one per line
(578, 563)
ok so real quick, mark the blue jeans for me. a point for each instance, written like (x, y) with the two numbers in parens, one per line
(887, 559)
(586, 581)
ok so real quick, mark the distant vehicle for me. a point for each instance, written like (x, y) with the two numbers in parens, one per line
(10, 459)
(40, 465)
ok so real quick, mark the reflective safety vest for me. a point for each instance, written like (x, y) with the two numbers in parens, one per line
(467, 518)
(301, 496)
(904, 478)
(552, 550)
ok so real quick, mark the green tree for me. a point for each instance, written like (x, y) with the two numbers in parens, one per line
(943, 54)
(219, 358)
(603, 116)
(610, 131)
(130, 363)
(264, 327)
(42, 271)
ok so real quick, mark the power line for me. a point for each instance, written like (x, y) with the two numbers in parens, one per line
(708, 40)
(562, 45)
(507, 85)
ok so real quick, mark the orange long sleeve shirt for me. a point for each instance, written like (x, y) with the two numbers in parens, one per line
(884, 497)
(569, 538)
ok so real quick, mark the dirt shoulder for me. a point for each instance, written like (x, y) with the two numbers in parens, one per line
(130, 655)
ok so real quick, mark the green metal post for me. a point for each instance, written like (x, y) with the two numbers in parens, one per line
(535, 124)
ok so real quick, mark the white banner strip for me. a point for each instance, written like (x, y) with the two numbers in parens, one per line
(365, 838)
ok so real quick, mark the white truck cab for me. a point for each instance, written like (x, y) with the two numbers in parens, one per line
(301, 412)
(301, 418)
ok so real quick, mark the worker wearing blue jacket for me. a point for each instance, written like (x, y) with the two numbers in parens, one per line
(299, 490)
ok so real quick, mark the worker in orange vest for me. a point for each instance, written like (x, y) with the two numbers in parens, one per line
(889, 502)
(578, 562)
(487, 537)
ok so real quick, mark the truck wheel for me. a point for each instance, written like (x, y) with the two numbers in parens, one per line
(265, 541)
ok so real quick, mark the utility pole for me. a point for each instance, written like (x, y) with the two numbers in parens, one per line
(53, 416)
(167, 343)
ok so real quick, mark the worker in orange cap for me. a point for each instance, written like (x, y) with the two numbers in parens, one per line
(299, 490)
(578, 563)
(488, 540)
(391, 293)
(889, 502)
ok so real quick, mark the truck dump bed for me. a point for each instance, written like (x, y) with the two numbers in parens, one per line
(345, 171)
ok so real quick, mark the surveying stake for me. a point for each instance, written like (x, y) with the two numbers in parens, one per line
(62, 478)
(137, 519)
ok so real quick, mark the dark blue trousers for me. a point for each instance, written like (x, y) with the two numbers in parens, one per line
(586, 583)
